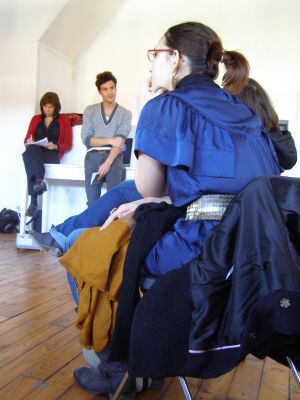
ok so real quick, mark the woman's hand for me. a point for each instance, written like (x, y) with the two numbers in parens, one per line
(128, 209)
(51, 146)
(29, 140)
(124, 210)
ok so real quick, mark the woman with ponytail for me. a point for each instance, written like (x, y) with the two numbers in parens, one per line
(236, 80)
(193, 139)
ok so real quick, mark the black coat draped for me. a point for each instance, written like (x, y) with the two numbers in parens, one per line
(241, 296)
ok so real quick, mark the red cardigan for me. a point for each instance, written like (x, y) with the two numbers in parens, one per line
(65, 132)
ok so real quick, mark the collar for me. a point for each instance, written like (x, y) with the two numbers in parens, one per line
(192, 79)
(107, 121)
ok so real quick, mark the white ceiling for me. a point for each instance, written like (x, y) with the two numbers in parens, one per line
(27, 18)
(67, 26)
(78, 24)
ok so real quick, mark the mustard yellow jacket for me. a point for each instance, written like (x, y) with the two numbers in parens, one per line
(96, 262)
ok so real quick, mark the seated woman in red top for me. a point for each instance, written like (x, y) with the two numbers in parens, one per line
(56, 131)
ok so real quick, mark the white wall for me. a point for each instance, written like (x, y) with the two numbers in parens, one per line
(21, 24)
(55, 74)
(266, 31)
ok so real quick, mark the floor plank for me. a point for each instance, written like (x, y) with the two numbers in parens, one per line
(39, 346)
(246, 381)
(294, 388)
(215, 389)
(19, 388)
(275, 381)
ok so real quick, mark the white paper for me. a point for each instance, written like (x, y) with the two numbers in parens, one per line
(100, 148)
(93, 177)
(41, 142)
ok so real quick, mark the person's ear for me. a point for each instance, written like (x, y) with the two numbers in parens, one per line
(176, 58)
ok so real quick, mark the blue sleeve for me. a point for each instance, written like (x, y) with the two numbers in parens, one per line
(165, 131)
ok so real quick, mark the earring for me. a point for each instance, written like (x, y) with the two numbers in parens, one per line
(173, 81)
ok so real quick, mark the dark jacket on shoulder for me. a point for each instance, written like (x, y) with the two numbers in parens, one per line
(285, 148)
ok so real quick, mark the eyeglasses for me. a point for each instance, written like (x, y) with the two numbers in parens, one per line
(153, 53)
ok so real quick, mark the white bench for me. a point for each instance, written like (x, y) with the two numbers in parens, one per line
(65, 195)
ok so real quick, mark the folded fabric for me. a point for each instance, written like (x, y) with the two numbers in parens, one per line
(96, 262)
(75, 118)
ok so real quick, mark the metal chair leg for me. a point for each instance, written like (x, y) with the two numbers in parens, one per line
(121, 387)
(125, 379)
(185, 388)
(294, 370)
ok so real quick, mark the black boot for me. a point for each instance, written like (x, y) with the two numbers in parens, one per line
(39, 187)
(31, 210)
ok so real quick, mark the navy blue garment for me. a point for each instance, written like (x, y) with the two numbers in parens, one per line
(241, 296)
(210, 143)
(51, 131)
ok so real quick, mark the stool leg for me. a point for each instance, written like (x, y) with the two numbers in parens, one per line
(45, 208)
(294, 370)
(185, 388)
(23, 209)
(121, 387)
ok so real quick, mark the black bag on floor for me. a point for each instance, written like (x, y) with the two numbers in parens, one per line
(9, 221)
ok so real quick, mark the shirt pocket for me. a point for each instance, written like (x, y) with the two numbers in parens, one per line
(214, 154)
(214, 163)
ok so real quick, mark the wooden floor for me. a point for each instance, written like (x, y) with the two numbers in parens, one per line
(39, 346)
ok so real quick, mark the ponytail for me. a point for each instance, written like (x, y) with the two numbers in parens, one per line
(255, 96)
(236, 80)
(214, 56)
(237, 71)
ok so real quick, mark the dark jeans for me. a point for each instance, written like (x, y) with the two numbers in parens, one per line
(115, 175)
(34, 158)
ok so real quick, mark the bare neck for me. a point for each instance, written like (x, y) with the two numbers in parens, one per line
(108, 107)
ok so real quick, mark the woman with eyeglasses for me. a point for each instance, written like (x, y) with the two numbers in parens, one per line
(192, 140)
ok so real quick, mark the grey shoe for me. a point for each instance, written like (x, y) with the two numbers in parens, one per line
(141, 384)
(46, 242)
(99, 382)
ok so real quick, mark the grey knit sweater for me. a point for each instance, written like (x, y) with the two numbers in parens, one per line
(95, 123)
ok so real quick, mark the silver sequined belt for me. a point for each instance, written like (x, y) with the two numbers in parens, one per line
(208, 206)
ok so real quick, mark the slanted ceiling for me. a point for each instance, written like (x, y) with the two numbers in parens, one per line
(78, 24)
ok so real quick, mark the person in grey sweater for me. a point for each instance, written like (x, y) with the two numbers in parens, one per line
(105, 127)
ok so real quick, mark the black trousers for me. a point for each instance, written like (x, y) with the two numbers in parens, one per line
(34, 158)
